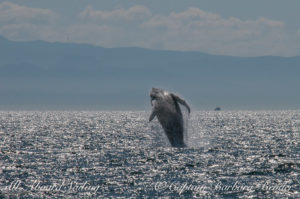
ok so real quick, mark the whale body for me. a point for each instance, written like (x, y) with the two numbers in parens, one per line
(168, 113)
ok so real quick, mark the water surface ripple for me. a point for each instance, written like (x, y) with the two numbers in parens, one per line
(230, 154)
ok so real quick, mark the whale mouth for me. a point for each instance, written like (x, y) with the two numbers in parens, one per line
(152, 98)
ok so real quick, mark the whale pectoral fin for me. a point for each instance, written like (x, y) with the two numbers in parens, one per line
(181, 101)
(153, 114)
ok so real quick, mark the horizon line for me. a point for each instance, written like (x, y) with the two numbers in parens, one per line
(144, 48)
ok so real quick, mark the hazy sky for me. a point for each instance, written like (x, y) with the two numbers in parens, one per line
(228, 27)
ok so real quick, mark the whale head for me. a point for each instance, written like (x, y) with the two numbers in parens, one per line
(157, 94)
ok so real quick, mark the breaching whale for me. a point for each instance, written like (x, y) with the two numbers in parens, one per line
(168, 113)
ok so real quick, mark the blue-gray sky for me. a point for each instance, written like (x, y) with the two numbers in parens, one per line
(231, 27)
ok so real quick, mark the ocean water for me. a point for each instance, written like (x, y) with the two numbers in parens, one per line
(230, 154)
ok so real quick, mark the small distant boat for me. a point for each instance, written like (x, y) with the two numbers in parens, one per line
(218, 108)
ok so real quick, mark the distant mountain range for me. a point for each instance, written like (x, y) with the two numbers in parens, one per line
(43, 75)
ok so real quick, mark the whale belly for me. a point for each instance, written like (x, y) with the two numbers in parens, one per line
(173, 127)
